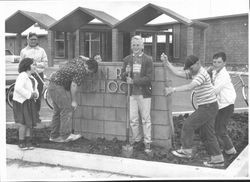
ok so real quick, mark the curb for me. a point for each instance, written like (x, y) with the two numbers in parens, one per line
(239, 168)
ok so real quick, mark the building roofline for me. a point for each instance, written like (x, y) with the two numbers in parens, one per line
(202, 19)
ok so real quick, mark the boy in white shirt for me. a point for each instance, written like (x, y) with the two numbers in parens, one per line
(226, 96)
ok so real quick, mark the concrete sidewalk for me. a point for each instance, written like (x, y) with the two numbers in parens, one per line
(18, 170)
(127, 166)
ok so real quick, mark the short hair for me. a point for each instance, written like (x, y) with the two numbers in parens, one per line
(92, 65)
(137, 37)
(221, 55)
(24, 65)
(31, 34)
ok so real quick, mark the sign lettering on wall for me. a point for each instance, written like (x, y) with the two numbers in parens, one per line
(108, 80)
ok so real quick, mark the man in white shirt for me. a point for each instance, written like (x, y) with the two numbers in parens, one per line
(34, 51)
(226, 96)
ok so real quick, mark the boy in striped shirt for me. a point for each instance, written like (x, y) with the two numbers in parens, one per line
(204, 117)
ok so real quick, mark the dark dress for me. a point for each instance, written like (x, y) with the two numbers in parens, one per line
(25, 113)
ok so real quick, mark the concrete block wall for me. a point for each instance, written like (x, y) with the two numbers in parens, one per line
(102, 110)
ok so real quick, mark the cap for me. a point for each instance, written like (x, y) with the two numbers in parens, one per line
(190, 60)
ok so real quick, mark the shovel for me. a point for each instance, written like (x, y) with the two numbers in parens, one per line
(127, 150)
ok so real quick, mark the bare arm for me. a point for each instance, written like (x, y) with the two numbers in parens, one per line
(187, 87)
(73, 91)
(175, 70)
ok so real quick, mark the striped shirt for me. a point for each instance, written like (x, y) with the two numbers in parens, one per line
(205, 92)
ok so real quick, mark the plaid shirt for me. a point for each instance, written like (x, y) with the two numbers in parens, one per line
(74, 71)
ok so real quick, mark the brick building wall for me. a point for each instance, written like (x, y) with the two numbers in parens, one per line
(102, 110)
(228, 34)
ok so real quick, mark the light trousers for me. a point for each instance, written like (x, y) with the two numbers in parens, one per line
(140, 106)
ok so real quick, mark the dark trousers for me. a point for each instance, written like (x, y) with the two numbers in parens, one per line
(221, 123)
(203, 119)
(40, 90)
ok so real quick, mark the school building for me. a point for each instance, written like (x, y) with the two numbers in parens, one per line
(102, 97)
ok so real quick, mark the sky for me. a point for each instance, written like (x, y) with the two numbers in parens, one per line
(120, 9)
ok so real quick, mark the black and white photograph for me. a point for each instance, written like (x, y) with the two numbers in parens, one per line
(124, 90)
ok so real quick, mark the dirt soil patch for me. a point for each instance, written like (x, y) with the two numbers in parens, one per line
(238, 131)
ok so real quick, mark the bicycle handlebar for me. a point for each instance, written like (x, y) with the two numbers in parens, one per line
(238, 73)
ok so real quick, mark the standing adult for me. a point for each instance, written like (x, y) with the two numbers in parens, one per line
(204, 117)
(141, 90)
(37, 53)
(226, 96)
(63, 88)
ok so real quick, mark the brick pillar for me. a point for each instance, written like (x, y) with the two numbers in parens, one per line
(81, 43)
(70, 45)
(50, 48)
(196, 42)
(18, 44)
(77, 43)
(154, 46)
(117, 45)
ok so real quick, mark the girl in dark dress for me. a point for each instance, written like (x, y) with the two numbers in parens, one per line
(24, 98)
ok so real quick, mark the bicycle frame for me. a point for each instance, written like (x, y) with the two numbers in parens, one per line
(44, 93)
(240, 81)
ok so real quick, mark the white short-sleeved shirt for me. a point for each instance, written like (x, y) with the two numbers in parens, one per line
(38, 54)
(224, 88)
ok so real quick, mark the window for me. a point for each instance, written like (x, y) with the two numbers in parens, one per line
(8, 52)
(59, 45)
(92, 43)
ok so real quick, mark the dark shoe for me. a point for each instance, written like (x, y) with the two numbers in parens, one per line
(22, 145)
(182, 154)
(39, 120)
(138, 145)
(213, 164)
(34, 143)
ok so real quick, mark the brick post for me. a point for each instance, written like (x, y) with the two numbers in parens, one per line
(77, 43)
(70, 45)
(196, 42)
(18, 44)
(50, 48)
(117, 45)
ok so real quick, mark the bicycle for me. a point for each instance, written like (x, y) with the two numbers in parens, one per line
(45, 94)
(240, 82)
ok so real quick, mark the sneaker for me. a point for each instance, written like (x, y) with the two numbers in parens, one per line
(147, 148)
(73, 137)
(22, 146)
(231, 151)
(182, 154)
(28, 143)
(58, 140)
(29, 146)
(213, 164)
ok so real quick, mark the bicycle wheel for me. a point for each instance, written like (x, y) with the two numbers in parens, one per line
(245, 93)
(193, 100)
(9, 95)
(47, 98)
